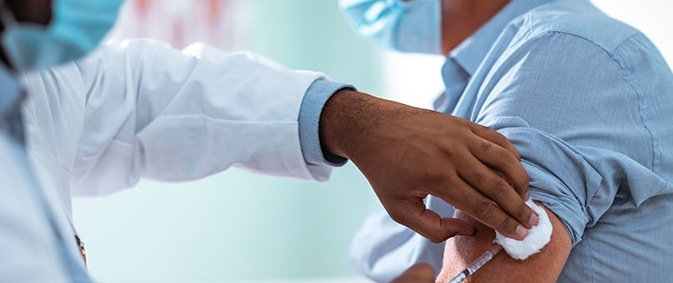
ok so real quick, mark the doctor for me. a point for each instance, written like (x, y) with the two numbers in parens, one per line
(141, 109)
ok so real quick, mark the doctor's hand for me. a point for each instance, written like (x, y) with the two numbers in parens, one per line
(419, 273)
(407, 153)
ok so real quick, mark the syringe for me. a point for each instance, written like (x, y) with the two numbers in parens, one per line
(478, 263)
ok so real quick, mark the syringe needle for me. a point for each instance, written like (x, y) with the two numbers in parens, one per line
(478, 263)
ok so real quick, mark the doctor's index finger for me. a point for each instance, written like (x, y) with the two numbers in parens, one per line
(498, 156)
(427, 223)
(495, 137)
(485, 209)
(483, 184)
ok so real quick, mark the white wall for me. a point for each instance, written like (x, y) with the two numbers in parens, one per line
(652, 17)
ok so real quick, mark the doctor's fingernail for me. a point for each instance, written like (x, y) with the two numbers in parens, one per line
(534, 219)
(521, 232)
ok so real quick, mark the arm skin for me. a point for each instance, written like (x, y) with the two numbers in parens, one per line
(407, 153)
(541, 267)
(420, 273)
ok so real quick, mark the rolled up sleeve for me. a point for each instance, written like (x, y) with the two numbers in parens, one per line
(567, 106)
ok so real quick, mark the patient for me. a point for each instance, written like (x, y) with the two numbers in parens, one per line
(588, 103)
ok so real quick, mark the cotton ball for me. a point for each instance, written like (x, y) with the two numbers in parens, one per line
(537, 238)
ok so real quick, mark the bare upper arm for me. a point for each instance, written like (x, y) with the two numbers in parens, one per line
(544, 266)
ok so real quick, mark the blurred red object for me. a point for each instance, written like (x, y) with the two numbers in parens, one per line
(182, 22)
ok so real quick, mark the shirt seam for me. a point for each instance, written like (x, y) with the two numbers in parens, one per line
(656, 158)
(628, 80)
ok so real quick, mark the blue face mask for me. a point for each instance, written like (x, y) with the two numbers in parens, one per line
(413, 26)
(77, 27)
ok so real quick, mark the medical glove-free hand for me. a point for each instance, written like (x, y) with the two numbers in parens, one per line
(407, 153)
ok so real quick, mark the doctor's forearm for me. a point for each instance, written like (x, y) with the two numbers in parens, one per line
(346, 120)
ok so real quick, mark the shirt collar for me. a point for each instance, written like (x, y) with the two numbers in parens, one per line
(469, 54)
(10, 92)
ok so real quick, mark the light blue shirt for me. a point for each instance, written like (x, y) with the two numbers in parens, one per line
(588, 102)
(309, 122)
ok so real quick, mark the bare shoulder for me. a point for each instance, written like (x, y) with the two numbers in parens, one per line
(544, 266)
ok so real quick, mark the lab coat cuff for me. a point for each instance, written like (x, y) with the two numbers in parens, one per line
(309, 122)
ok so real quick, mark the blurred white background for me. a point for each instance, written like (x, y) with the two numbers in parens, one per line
(241, 227)
(237, 226)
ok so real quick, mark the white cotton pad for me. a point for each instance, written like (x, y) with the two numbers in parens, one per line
(537, 238)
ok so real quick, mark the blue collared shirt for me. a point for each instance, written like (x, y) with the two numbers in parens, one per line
(588, 102)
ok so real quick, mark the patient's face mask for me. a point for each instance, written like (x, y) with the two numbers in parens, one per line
(413, 26)
(77, 27)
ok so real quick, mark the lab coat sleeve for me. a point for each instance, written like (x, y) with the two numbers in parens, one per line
(145, 110)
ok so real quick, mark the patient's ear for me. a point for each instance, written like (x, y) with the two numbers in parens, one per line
(544, 266)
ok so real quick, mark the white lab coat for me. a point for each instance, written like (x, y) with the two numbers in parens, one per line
(36, 242)
(140, 109)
